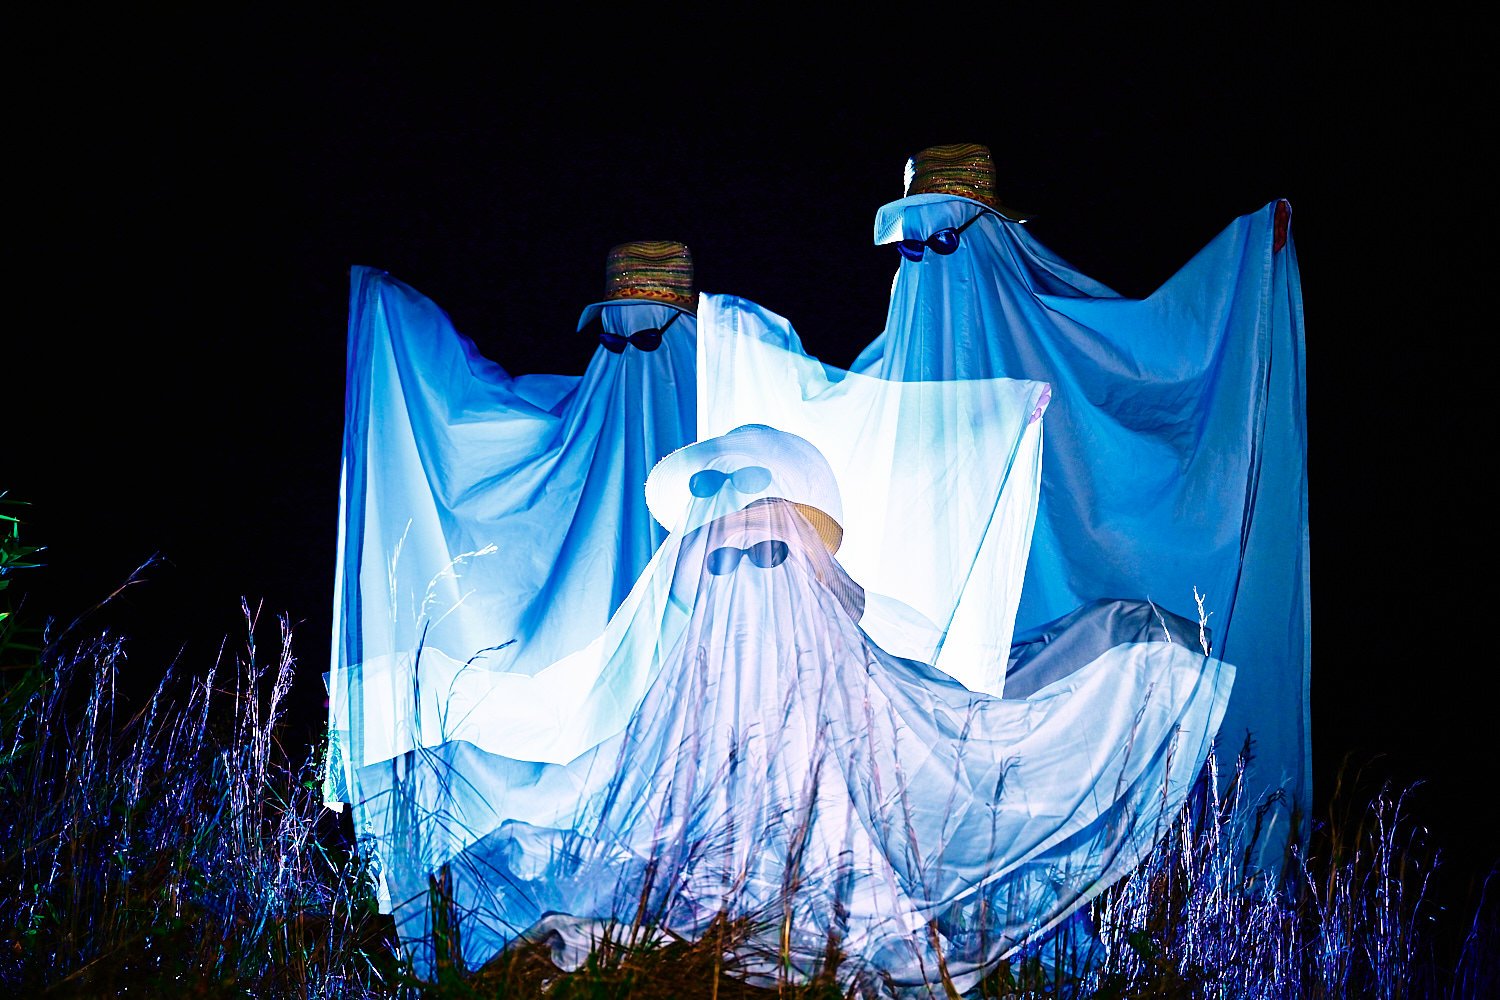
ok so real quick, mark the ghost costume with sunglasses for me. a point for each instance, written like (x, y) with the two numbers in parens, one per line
(1176, 439)
(772, 759)
(487, 518)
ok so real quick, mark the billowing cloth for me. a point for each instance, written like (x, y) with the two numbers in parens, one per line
(946, 475)
(487, 520)
(1176, 437)
(780, 769)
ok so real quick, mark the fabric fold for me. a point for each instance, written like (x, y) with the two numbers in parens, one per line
(1176, 462)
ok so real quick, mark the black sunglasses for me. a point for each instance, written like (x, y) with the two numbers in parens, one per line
(763, 554)
(648, 339)
(944, 241)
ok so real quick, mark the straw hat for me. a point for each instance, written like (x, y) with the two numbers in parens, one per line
(942, 173)
(799, 473)
(648, 272)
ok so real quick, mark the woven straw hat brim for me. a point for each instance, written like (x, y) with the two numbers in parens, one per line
(816, 492)
(829, 531)
(593, 309)
(888, 216)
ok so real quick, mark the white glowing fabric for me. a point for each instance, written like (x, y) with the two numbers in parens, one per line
(776, 765)
(759, 732)
(1176, 437)
(945, 474)
(485, 519)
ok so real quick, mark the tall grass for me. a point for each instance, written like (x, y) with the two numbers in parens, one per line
(177, 848)
(1349, 915)
(174, 848)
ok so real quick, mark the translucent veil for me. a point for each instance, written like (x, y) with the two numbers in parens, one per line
(736, 746)
(942, 479)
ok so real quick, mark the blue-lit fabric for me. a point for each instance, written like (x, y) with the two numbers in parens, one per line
(774, 759)
(946, 474)
(487, 520)
(1176, 437)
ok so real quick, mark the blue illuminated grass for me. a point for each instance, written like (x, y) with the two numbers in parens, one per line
(178, 848)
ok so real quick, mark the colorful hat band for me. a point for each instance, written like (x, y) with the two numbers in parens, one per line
(963, 169)
(650, 271)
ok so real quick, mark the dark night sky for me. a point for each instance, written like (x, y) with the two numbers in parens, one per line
(190, 194)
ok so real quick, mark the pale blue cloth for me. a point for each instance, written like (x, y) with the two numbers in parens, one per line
(942, 476)
(487, 519)
(671, 754)
(776, 762)
(1176, 444)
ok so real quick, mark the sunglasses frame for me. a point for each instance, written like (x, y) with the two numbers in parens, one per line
(651, 335)
(776, 553)
(914, 249)
(720, 478)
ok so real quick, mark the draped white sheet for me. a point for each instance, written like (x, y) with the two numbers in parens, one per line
(796, 716)
(1176, 437)
(484, 518)
(946, 474)
(774, 764)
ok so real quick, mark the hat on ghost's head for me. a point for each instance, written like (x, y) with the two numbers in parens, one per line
(938, 173)
(755, 462)
(648, 272)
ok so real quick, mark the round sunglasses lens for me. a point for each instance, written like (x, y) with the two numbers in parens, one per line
(612, 342)
(751, 479)
(768, 553)
(944, 241)
(646, 340)
(911, 249)
(723, 560)
(706, 483)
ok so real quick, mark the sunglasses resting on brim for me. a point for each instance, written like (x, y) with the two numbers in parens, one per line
(750, 479)
(648, 339)
(943, 242)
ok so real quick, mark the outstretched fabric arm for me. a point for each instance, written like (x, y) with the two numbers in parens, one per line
(486, 520)
(1176, 438)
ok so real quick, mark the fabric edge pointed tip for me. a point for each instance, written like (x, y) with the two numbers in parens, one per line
(1281, 220)
(1042, 401)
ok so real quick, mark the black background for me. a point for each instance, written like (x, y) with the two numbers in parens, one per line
(188, 193)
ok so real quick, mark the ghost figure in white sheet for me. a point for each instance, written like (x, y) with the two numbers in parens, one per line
(779, 769)
(488, 520)
(1176, 436)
